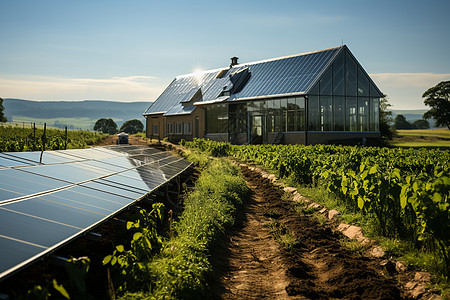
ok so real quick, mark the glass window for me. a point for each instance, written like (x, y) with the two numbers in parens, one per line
(326, 113)
(338, 76)
(291, 104)
(339, 113)
(351, 112)
(217, 118)
(187, 127)
(283, 103)
(325, 82)
(350, 76)
(313, 113)
(363, 114)
(375, 115)
(315, 90)
(374, 92)
(300, 114)
(363, 83)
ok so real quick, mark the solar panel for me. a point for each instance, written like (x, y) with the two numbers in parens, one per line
(44, 205)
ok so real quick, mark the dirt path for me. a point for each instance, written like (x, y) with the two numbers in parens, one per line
(317, 266)
(256, 268)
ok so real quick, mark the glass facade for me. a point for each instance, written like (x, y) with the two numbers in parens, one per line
(344, 99)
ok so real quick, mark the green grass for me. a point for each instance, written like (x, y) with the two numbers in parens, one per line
(439, 132)
(181, 269)
(422, 138)
(77, 123)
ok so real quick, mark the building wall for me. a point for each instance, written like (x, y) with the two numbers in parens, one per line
(185, 126)
(154, 126)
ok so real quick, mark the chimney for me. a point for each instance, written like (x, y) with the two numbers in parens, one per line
(234, 61)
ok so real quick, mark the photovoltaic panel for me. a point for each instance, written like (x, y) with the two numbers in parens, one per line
(44, 205)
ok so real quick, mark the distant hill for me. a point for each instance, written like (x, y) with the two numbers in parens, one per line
(411, 115)
(68, 112)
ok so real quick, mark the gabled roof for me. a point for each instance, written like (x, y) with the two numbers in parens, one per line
(277, 77)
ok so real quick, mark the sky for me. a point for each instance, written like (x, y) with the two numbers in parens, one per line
(132, 50)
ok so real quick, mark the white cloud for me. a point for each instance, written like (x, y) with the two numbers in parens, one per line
(129, 88)
(405, 89)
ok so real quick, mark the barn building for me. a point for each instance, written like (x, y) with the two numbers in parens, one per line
(318, 97)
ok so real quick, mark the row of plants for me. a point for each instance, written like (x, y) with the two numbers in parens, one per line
(406, 191)
(15, 139)
(176, 265)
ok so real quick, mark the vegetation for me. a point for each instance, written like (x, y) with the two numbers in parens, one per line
(132, 126)
(386, 129)
(175, 267)
(405, 191)
(2, 116)
(16, 139)
(438, 98)
(431, 138)
(400, 122)
(106, 126)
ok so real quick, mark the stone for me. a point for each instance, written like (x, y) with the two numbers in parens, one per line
(422, 277)
(289, 189)
(378, 252)
(332, 213)
(315, 206)
(400, 267)
(323, 210)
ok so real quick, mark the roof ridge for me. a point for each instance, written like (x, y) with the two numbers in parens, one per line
(200, 73)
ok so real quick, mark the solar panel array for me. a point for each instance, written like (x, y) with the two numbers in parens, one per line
(45, 205)
(281, 76)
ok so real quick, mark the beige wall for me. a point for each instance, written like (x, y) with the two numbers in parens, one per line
(197, 128)
(154, 120)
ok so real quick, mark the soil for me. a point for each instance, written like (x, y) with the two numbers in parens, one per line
(251, 264)
(112, 140)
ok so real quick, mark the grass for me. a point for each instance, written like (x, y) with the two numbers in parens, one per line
(181, 269)
(438, 132)
(422, 138)
(77, 123)
(282, 235)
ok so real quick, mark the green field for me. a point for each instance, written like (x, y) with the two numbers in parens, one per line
(422, 138)
(71, 123)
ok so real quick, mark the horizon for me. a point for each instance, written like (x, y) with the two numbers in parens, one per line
(130, 52)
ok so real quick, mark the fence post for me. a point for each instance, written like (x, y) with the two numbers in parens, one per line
(65, 140)
(44, 140)
(34, 136)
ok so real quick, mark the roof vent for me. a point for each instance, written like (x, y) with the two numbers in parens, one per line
(234, 61)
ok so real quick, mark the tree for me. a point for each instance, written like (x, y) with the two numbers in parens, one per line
(400, 122)
(106, 126)
(132, 126)
(386, 129)
(2, 116)
(438, 98)
(421, 124)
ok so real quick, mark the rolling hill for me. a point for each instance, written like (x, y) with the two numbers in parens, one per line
(74, 114)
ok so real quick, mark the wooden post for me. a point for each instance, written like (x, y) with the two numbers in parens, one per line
(65, 140)
(34, 136)
(44, 140)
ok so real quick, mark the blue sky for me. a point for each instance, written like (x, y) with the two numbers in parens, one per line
(131, 50)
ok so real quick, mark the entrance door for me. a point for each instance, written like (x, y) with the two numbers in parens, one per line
(257, 133)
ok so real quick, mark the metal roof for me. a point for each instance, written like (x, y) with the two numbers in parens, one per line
(277, 77)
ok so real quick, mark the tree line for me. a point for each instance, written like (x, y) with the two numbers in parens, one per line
(107, 125)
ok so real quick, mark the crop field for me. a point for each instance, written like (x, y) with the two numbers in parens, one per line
(18, 139)
(230, 233)
(405, 191)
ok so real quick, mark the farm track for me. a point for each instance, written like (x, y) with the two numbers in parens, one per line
(252, 265)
